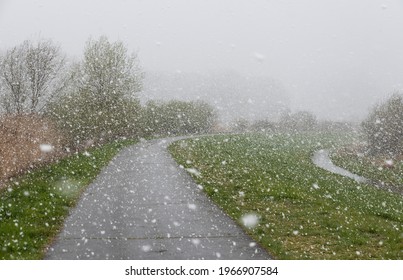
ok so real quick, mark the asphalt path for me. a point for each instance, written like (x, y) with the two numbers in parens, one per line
(143, 206)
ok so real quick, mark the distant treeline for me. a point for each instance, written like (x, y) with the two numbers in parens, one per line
(298, 122)
(382, 129)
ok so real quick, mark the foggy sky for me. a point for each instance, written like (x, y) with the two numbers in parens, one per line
(335, 58)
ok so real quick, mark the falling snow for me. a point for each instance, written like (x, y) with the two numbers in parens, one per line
(250, 220)
(136, 151)
(46, 148)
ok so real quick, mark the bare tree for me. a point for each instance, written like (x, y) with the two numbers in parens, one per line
(30, 75)
(13, 77)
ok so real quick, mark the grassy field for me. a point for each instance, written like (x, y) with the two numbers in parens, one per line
(302, 211)
(33, 208)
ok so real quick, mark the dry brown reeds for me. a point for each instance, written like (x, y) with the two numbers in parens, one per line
(27, 141)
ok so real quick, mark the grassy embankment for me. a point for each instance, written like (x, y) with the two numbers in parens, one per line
(304, 212)
(33, 208)
(381, 170)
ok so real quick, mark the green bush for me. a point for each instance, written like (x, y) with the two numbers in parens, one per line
(177, 118)
(87, 120)
(384, 127)
(298, 122)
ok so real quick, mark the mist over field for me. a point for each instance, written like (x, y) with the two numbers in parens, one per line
(250, 59)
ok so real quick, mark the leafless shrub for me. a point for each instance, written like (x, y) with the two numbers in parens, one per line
(31, 74)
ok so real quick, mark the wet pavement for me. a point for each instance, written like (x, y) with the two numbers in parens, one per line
(144, 206)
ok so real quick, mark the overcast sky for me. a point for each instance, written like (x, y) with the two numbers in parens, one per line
(335, 57)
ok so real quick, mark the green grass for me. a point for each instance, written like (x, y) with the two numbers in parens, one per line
(33, 208)
(304, 212)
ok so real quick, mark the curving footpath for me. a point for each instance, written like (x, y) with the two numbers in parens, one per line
(143, 206)
(322, 159)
